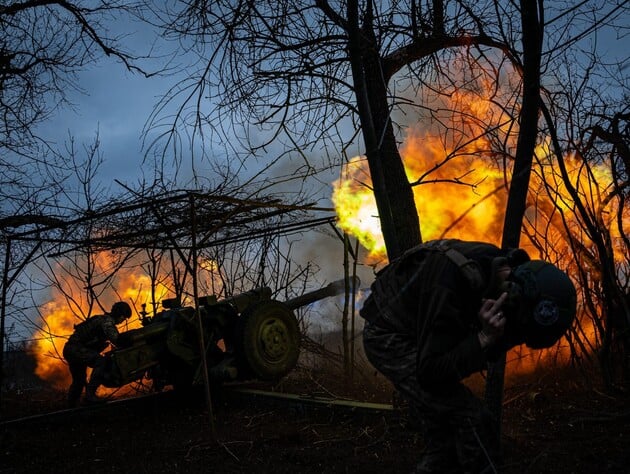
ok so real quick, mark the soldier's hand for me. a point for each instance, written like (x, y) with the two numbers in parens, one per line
(492, 321)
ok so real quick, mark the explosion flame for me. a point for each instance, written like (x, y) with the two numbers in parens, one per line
(461, 192)
(61, 314)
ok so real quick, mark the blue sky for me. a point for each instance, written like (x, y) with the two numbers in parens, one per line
(116, 104)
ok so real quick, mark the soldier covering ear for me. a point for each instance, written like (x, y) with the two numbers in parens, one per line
(438, 314)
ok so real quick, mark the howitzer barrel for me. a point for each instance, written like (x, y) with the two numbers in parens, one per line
(242, 301)
(332, 289)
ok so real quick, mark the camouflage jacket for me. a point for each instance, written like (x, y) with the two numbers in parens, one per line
(427, 296)
(95, 332)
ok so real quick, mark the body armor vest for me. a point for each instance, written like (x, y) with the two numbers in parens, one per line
(91, 333)
(395, 278)
(394, 290)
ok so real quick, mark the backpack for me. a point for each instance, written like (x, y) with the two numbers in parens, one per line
(469, 267)
(391, 289)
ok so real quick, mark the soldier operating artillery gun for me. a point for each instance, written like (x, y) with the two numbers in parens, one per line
(247, 336)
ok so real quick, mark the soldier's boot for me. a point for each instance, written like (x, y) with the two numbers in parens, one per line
(478, 449)
(74, 394)
(96, 380)
(439, 455)
(438, 459)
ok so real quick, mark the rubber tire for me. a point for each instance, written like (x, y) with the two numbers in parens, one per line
(268, 340)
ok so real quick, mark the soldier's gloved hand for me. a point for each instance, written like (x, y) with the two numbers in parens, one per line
(492, 321)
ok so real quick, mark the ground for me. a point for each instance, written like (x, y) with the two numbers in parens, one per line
(556, 423)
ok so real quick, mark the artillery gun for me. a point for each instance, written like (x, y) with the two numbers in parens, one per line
(247, 336)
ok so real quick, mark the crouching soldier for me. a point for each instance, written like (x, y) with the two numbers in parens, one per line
(84, 348)
(438, 314)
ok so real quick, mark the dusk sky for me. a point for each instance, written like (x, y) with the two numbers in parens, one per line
(117, 103)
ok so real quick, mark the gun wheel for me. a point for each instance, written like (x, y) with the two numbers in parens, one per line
(270, 340)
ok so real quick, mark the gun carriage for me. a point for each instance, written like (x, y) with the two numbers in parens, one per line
(247, 336)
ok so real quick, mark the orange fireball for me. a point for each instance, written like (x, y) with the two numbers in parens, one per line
(461, 190)
(59, 315)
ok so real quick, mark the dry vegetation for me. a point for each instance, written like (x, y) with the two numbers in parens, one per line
(553, 422)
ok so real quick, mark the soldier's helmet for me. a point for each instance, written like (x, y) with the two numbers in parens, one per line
(542, 299)
(120, 311)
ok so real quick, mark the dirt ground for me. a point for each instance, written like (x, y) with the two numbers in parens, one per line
(551, 424)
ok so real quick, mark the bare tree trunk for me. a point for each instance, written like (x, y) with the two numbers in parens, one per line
(392, 191)
(345, 335)
(353, 306)
(517, 197)
(202, 343)
(3, 309)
